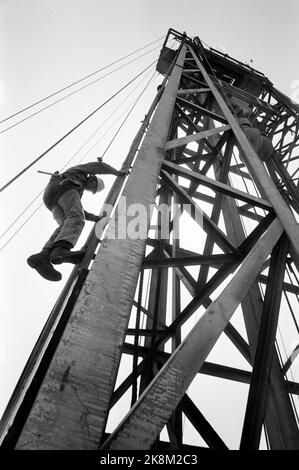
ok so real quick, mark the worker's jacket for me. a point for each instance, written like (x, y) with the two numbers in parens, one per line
(74, 178)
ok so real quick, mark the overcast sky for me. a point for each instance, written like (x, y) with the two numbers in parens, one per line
(46, 45)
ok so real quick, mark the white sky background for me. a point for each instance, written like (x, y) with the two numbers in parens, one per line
(46, 45)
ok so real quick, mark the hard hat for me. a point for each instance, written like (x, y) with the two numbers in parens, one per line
(100, 184)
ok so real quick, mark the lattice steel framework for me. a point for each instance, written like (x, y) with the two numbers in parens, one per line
(225, 240)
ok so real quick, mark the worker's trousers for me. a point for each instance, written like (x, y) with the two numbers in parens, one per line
(261, 144)
(68, 213)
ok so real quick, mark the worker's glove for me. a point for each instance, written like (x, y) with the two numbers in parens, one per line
(97, 218)
(102, 216)
(124, 172)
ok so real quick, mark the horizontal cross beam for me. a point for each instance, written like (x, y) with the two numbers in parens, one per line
(213, 260)
(143, 424)
(195, 137)
(217, 185)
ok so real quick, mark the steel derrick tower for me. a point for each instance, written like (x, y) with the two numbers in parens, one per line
(153, 308)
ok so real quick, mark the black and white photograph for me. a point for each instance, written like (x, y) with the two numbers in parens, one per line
(149, 236)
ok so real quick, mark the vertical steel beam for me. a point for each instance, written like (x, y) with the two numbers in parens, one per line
(177, 419)
(266, 186)
(157, 299)
(141, 427)
(208, 249)
(19, 406)
(71, 409)
(256, 404)
(76, 395)
(279, 418)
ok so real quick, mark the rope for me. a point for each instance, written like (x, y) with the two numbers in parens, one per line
(74, 92)
(20, 215)
(31, 215)
(72, 130)
(78, 81)
(76, 153)
(111, 126)
(127, 116)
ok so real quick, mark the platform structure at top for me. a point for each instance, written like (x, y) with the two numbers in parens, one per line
(198, 301)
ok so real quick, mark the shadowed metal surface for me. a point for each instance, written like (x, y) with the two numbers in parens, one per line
(71, 409)
(143, 424)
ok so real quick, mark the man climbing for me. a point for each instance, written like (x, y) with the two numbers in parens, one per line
(62, 196)
(261, 143)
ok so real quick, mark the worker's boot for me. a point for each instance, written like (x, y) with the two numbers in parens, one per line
(42, 264)
(64, 255)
